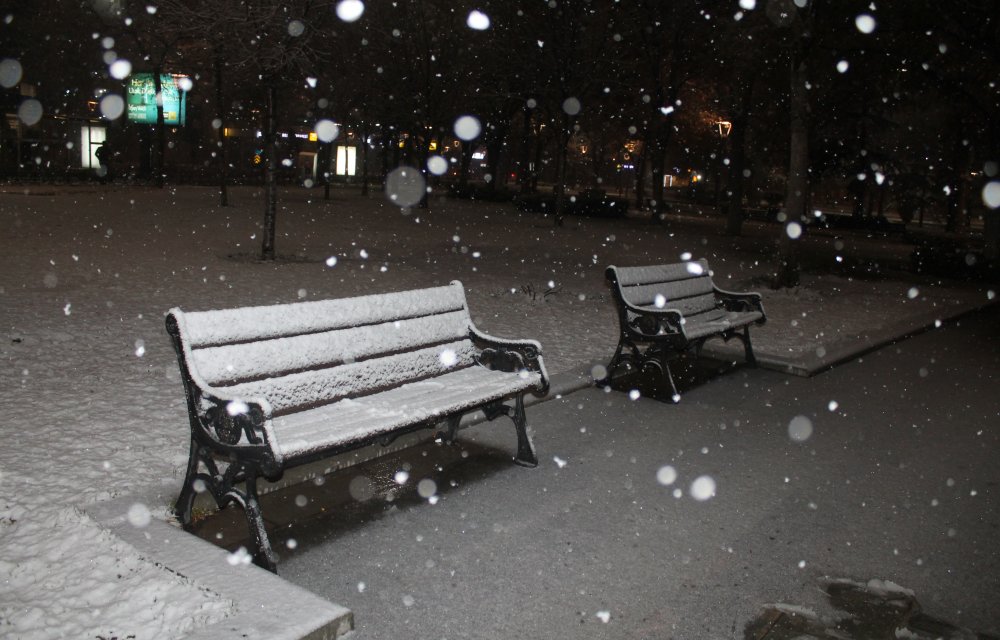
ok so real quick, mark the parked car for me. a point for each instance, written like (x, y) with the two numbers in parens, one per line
(597, 202)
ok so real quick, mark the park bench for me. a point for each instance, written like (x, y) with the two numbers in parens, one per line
(273, 387)
(669, 309)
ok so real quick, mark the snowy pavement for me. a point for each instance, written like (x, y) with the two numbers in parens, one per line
(652, 520)
(93, 405)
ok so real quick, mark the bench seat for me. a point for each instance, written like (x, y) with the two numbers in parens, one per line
(716, 323)
(357, 420)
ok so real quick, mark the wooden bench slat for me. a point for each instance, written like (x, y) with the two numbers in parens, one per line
(354, 419)
(247, 324)
(729, 320)
(302, 390)
(235, 363)
(628, 276)
(697, 304)
(709, 315)
(645, 295)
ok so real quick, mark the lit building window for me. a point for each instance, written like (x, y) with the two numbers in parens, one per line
(347, 161)
(90, 139)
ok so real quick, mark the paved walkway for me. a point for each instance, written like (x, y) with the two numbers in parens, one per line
(652, 520)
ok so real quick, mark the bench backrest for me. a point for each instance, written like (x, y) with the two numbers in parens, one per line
(684, 286)
(306, 354)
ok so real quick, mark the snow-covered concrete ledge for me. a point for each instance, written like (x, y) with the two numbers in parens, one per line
(837, 352)
(266, 606)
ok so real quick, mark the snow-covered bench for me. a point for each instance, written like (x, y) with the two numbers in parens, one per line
(673, 308)
(273, 387)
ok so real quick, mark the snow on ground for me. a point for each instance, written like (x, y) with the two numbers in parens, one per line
(93, 403)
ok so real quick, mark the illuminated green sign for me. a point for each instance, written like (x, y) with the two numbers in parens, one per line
(142, 98)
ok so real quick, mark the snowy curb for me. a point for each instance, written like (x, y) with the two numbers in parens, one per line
(563, 384)
(266, 606)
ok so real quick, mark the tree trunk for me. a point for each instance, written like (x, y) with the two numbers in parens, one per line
(539, 149)
(564, 136)
(955, 202)
(161, 133)
(657, 162)
(737, 181)
(494, 146)
(797, 186)
(523, 171)
(640, 176)
(466, 162)
(364, 160)
(221, 115)
(324, 156)
(559, 207)
(270, 171)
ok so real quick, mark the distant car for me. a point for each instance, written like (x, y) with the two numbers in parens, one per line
(590, 202)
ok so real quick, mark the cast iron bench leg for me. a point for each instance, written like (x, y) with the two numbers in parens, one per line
(263, 555)
(452, 434)
(185, 501)
(675, 397)
(747, 348)
(615, 361)
(525, 450)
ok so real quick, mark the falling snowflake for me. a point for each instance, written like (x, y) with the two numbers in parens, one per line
(478, 20)
(350, 10)
(703, 488)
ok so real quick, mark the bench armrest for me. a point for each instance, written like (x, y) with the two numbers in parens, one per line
(232, 425)
(649, 323)
(511, 355)
(736, 301)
